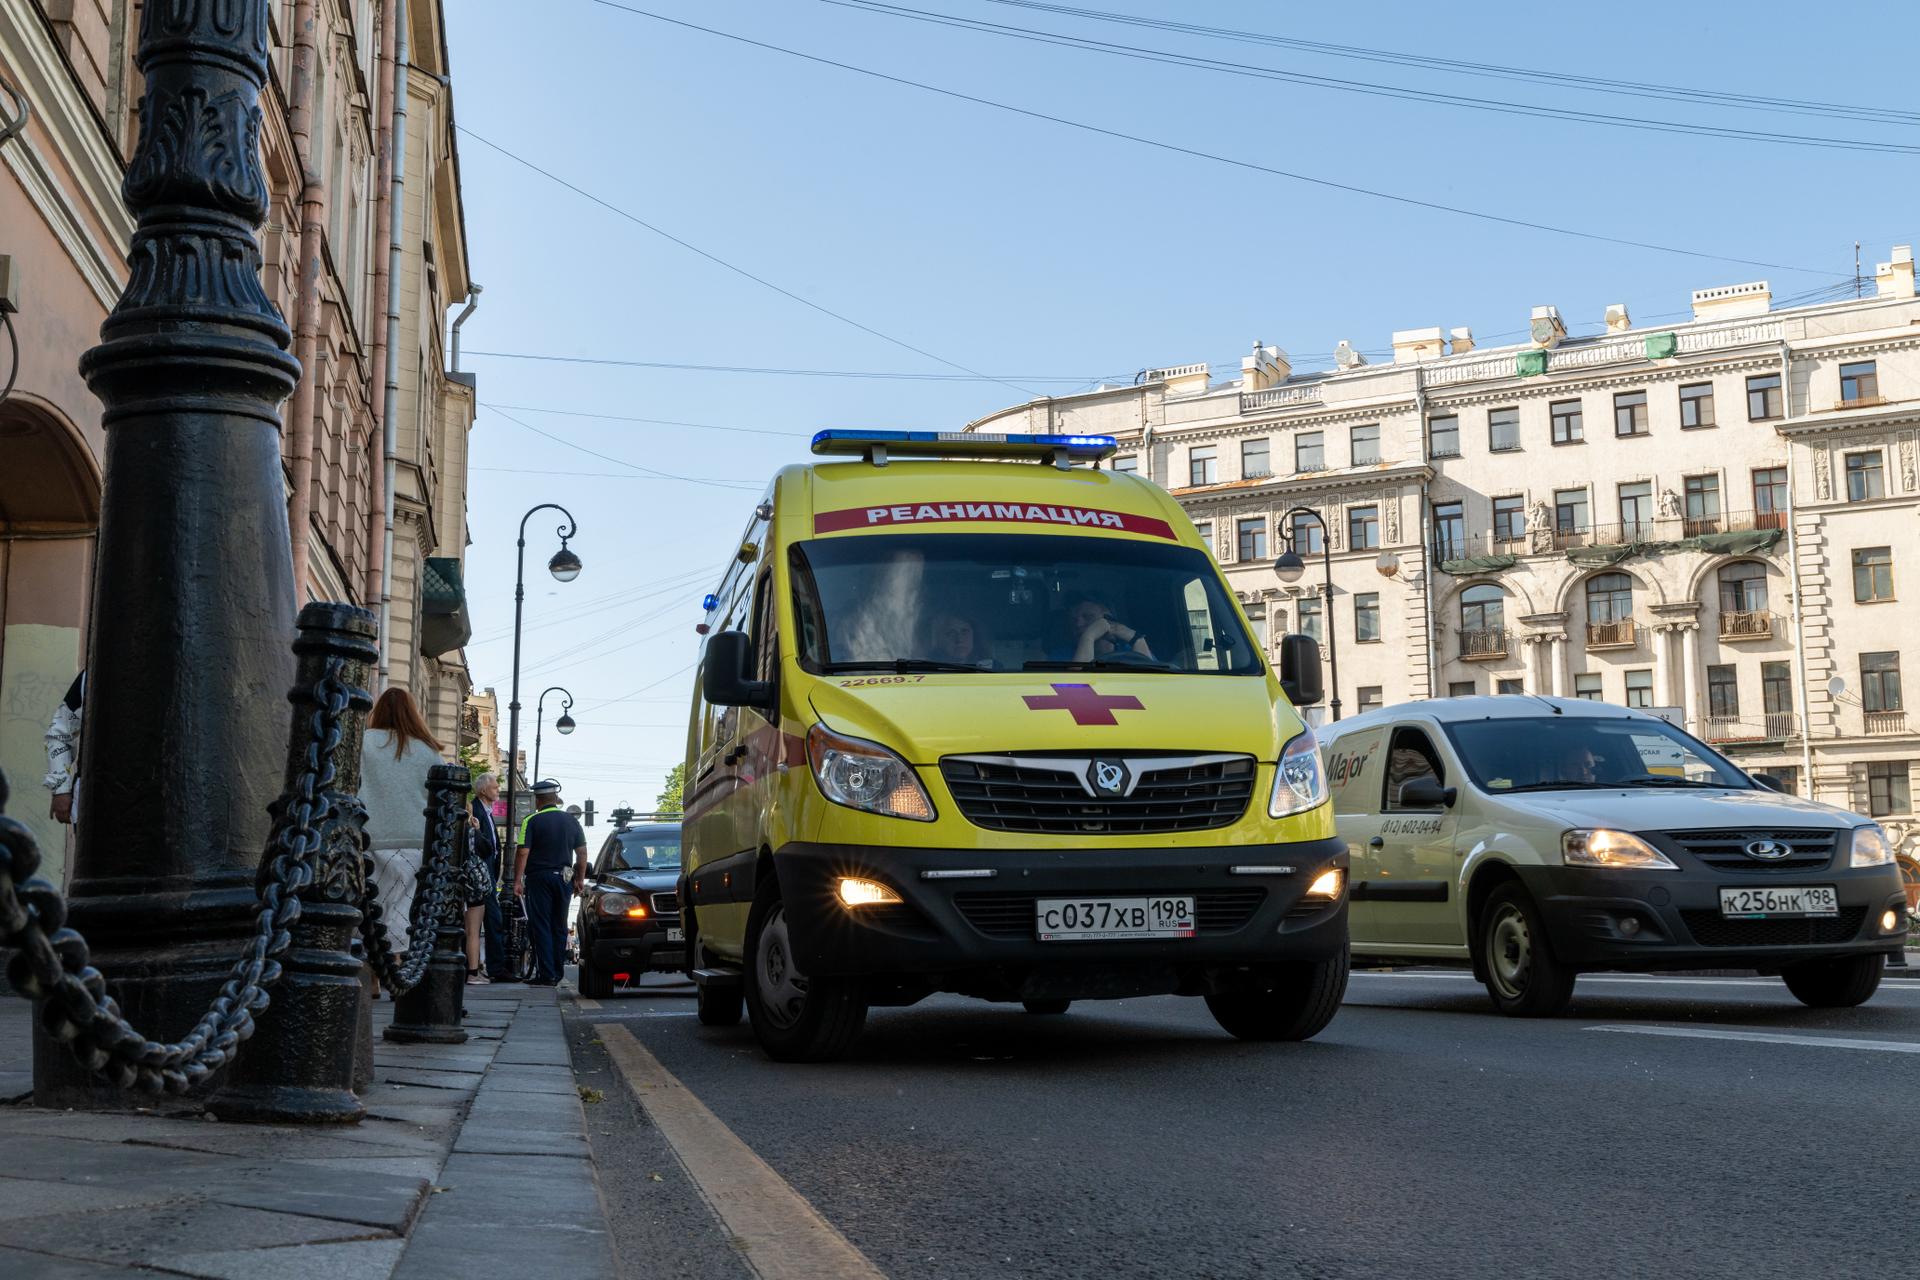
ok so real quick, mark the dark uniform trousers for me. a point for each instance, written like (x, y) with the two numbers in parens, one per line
(548, 893)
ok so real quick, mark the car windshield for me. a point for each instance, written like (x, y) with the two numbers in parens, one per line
(646, 849)
(1014, 602)
(1574, 753)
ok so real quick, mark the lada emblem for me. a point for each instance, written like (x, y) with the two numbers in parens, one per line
(1768, 850)
(1109, 777)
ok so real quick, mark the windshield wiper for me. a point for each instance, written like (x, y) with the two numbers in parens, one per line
(899, 665)
(1563, 784)
(1668, 780)
(1111, 662)
(1644, 780)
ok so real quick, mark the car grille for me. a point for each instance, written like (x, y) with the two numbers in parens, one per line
(1711, 929)
(666, 904)
(1011, 915)
(1725, 850)
(1047, 796)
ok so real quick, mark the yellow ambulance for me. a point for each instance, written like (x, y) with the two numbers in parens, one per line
(975, 715)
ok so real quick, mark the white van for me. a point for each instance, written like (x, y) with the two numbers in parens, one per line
(1538, 838)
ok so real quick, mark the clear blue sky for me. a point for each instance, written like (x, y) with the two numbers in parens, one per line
(1019, 247)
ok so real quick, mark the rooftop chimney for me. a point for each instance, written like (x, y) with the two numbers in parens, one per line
(1266, 367)
(1732, 301)
(1545, 328)
(1617, 319)
(1462, 341)
(1410, 346)
(1895, 279)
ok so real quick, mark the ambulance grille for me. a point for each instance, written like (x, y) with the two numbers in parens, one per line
(1037, 796)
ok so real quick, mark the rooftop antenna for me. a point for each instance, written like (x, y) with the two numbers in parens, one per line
(1856, 270)
(1552, 706)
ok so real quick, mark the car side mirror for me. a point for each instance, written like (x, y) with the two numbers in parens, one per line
(1771, 781)
(1425, 792)
(1300, 670)
(725, 680)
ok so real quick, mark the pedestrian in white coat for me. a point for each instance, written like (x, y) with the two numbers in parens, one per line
(396, 755)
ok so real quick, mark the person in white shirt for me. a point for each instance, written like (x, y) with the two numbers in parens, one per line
(63, 752)
(396, 755)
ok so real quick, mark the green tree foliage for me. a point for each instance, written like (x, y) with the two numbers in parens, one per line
(670, 794)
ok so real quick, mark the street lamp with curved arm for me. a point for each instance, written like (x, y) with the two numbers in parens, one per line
(564, 724)
(1289, 567)
(565, 567)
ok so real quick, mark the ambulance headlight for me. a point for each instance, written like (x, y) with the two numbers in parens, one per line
(1299, 784)
(865, 775)
(1602, 847)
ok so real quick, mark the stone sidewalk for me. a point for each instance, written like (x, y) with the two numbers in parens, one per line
(473, 1159)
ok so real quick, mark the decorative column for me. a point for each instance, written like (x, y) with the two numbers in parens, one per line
(193, 589)
(430, 1013)
(1662, 662)
(1557, 663)
(1690, 673)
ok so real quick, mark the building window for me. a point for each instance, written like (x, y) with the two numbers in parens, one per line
(1257, 618)
(1462, 689)
(1866, 478)
(1363, 528)
(1366, 445)
(1513, 687)
(1483, 614)
(1254, 459)
(1568, 427)
(1859, 381)
(1366, 617)
(1763, 397)
(1205, 529)
(1307, 538)
(1310, 451)
(1570, 510)
(1253, 538)
(1509, 518)
(1630, 413)
(1770, 497)
(1312, 619)
(1503, 430)
(1880, 682)
(1636, 511)
(1723, 693)
(1887, 788)
(1449, 530)
(1776, 698)
(1370, 696)
(1127, 463)
(1587, 685)
(1443, 437)
(1703, 505)
(1743, 588)
(1640, 688)
(1872, 574)
(1203, 466)
(1696, 406)
(1788, 775)
(1609, 599)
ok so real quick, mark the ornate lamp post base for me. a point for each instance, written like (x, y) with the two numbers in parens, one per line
(430, 1012)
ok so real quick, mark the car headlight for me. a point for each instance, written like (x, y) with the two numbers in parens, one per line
(1604, 847)
(1299, 784)
(865, 775)
(1870, 847)
(615, 904)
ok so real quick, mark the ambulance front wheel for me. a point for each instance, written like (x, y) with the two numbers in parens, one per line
(1290, 1002)
(795, 1018)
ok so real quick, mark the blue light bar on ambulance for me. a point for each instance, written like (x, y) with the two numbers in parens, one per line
(962, 444)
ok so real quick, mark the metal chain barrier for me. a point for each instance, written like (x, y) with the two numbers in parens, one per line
(53, 962)
(434, 898)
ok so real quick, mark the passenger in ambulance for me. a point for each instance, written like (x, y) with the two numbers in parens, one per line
(1097, 633)
(953, 637)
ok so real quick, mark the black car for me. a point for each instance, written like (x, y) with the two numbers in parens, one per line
(630, 916)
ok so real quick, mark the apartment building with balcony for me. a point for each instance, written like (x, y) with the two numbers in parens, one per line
(1712, 516)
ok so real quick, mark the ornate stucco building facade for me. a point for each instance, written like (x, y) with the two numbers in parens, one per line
(1716, 517)
(342, 70)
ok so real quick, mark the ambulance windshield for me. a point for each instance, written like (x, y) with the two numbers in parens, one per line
(1014, 602)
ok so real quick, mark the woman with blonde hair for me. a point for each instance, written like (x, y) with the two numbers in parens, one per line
(395, 757)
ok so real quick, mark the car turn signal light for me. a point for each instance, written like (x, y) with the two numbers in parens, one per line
(636, 913)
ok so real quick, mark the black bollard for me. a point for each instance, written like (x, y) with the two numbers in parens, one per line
(193, 585)
(430, 1013)
(299, 1066)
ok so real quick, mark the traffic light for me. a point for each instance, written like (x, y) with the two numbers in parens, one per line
(589, 817)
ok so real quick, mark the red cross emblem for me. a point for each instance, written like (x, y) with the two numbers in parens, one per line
(1086, 706)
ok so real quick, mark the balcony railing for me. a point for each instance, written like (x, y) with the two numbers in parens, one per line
(1535, 540)
(1749, 624)
(1611, 635)
(1770, 727)
(1483, 642)
(1884, 722)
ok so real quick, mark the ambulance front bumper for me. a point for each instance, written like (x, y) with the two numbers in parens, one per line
(985, 924)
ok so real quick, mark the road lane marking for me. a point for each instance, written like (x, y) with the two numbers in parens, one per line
(1625, 979)
(1769, 1037)
(782, 1236)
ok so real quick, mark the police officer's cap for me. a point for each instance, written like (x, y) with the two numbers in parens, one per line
(546, 787)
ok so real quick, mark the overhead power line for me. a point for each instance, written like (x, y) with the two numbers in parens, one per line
(1215, 157)
(1499, 106)
(882, 375)
(607, 457)
(1489, 70)
(663, 422)
(717, 260)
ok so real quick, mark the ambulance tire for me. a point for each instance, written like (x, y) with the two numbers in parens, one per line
(1836, 984)
(1523, 976)
(1046, 1007)
(1295, 1003)
(795, 1018)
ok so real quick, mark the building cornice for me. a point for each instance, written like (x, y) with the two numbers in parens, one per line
(1306, 482)
(1898, 414)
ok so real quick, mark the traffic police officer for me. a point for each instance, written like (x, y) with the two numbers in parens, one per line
(550, 838)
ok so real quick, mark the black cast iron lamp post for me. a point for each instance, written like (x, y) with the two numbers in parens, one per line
(1290, 568)
(565, 567)
(565, 724)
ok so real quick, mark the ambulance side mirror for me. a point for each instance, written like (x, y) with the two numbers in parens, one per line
(726, 680)
(1300, 670)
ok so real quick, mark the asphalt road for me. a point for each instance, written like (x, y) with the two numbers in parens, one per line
(1421, 1135)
